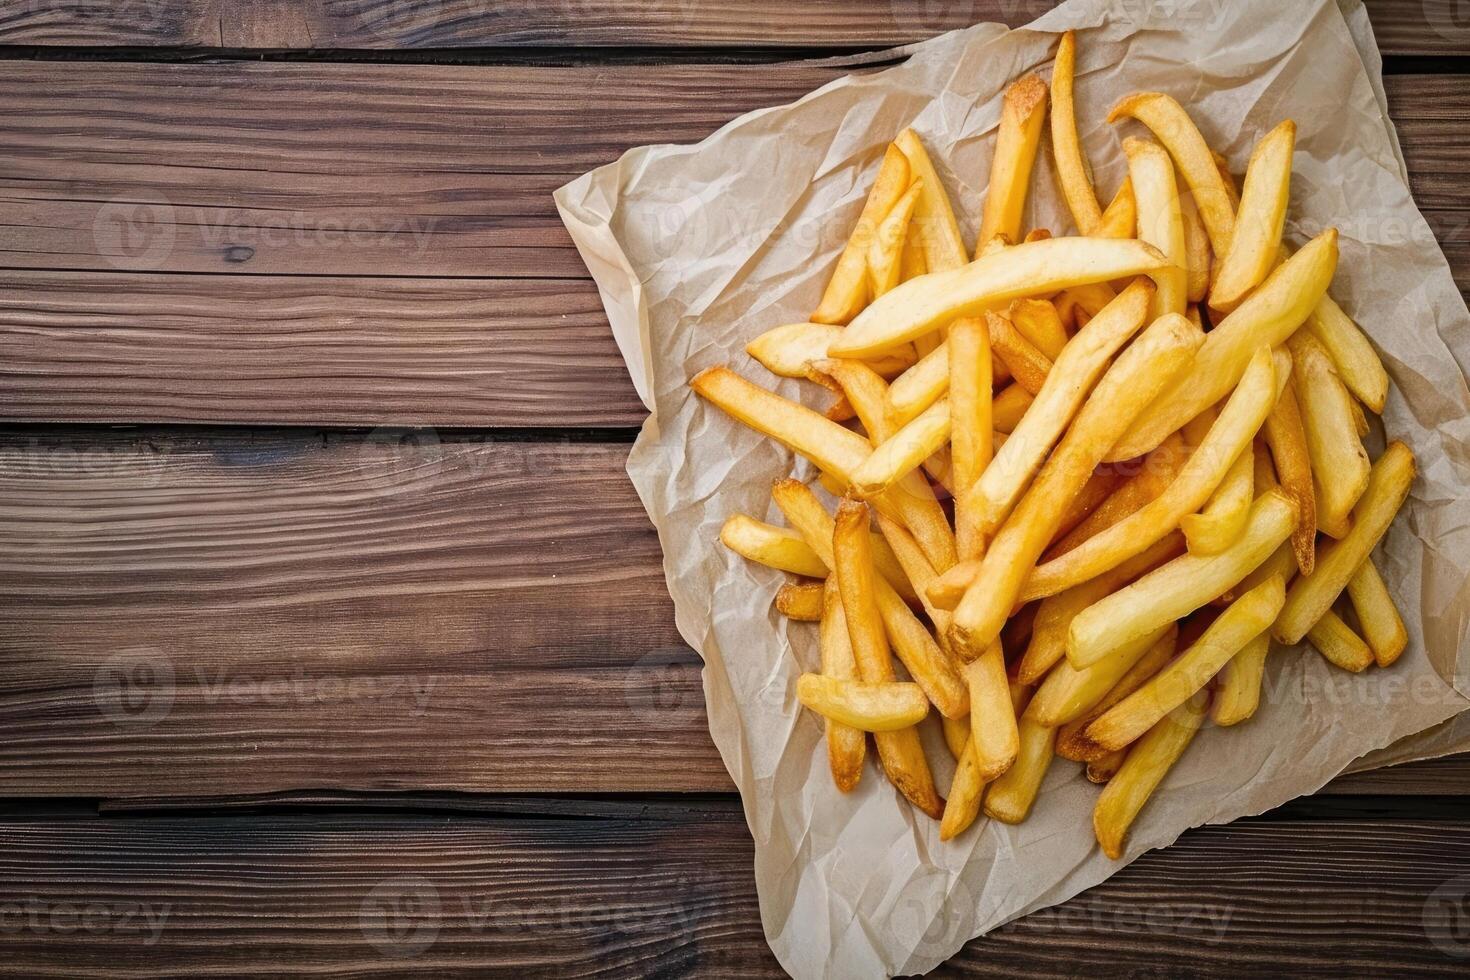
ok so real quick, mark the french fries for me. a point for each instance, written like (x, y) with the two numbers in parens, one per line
(1145, 430)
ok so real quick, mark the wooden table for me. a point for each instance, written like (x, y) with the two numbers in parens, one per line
(335, 637)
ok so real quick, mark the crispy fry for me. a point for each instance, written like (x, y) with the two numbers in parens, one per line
(1227, 440)
(1287, 439)
(946, 591)
(911, 263)
(966, 792)
(1027, 365)
(1100, 486)
(1072, 171)
(1196, 247)
(956, 735)
(1266, 318)
(885, 707)
(919, 387)
(934, 221)
(1227, 180)
(1068, 693)
(1082, 362)
(885, 252)
(1312, 595)
(1180, 587)
(1160, 353)
(915, 567)
(1105, 768)
(846, 746)
(1383, 628)
(1262, 216)
(1356, 362)
(778, 547)
(904, 451)
(1173, 128)
(1246, 618)
(1023, 109)
(1120, 220)
(1220, 522)
(1280, 563)
(847, 292)
(1155, 473)
(1037, 320)
(1338, 458)
(1009, 407)
(1160, 222)
(1142, 771)
(993, 732)
(1010, 797)
(800, 601)
(1337, 642)
(1071, 741)
(1240, 683)
(925, 304)
(970, 400)
(789, 350)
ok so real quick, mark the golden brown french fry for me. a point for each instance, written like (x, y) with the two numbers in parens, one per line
(946, 591)
(1383, 628)
(916, 569)
(1037, 320)
(1180, 587)
(1337, 454)
(1270, 315)
(865, 389)
(1246, 618)
(1223, 517)
(1010, 797)
(1071, 741)
(847, 292)
(800, 601)
(970, 424)
(1240, 683)
(1356, 362)
(993, 732)
(777, 547)
(935, 225)
(1287, 439)
(1055, 613)
(1227, 180)
(1023, 109)
(885, 252)
(1160, 222)
(1105, 768)
(1068, 693)
(1160, 353)
(1009, 407)
(1142, 771)
(1037, 235)
(788, 350)
(930, 302)
(956, 735)
(1280, 563)
(885, 707)
(1227, 440)
(1155, 473)
(1196, 247)
(920, 386)
(1261, 218)
(1337, 642)
(1100, 486)
(1312, 595)
(965, 794)
(904, 451)
(1027, 365)
(1120, 220)
(1082, 362)
(1072, 171)
(911, 263)
(846, 746)
(1173, 128)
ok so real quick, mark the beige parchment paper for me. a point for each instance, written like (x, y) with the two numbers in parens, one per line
(697, 249)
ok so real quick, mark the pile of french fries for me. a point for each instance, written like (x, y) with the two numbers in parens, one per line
(1150, 432)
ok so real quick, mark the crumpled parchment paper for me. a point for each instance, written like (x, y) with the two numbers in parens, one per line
(697, 249)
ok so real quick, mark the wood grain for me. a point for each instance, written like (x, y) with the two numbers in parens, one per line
(1403, 27)
(467, 897)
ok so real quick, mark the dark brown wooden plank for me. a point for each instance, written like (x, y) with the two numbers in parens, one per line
(309, 350)
(464, 897)
(1409, 27)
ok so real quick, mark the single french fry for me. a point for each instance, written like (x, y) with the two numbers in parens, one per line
(800, 601)
(993, 732)
(1282, 562)
(1055, 612)
(1261, 218)
(1172, 127)
(946, 591)
(1246, 618)
(970, 398)
(847, 291)
(885, 252)
(1142, 771)
(1160, 353)
(1270, 315)
(1383, 628)
(966, 792)
(1105, 768)
(1227, 440)
(1009, 407)
(789, 350)
(1213, 529)
(1038, 321)
(1071, 741)
(911, 263)
(1082, 362)
(1072, 171)
(846, 746)
(1027, 365)
(777, 547)
(1068, 693)
(916, 569)
(1240, 683)
(1023, 110)
(1227, 180)
(1286, 437)
(1180, 587)
(1120, 220)
(1338, 644)
(935, 226)
(1160, 222)
(1010, 797)
(1155, 473)
(919, 387)
(1356, 362)
(904, 451)
(885, 707)
(1196, 247)
(930, 302)
(1100, 486)
(1312, 595)
(865, 389)
(956, 735)
(1338, 458)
